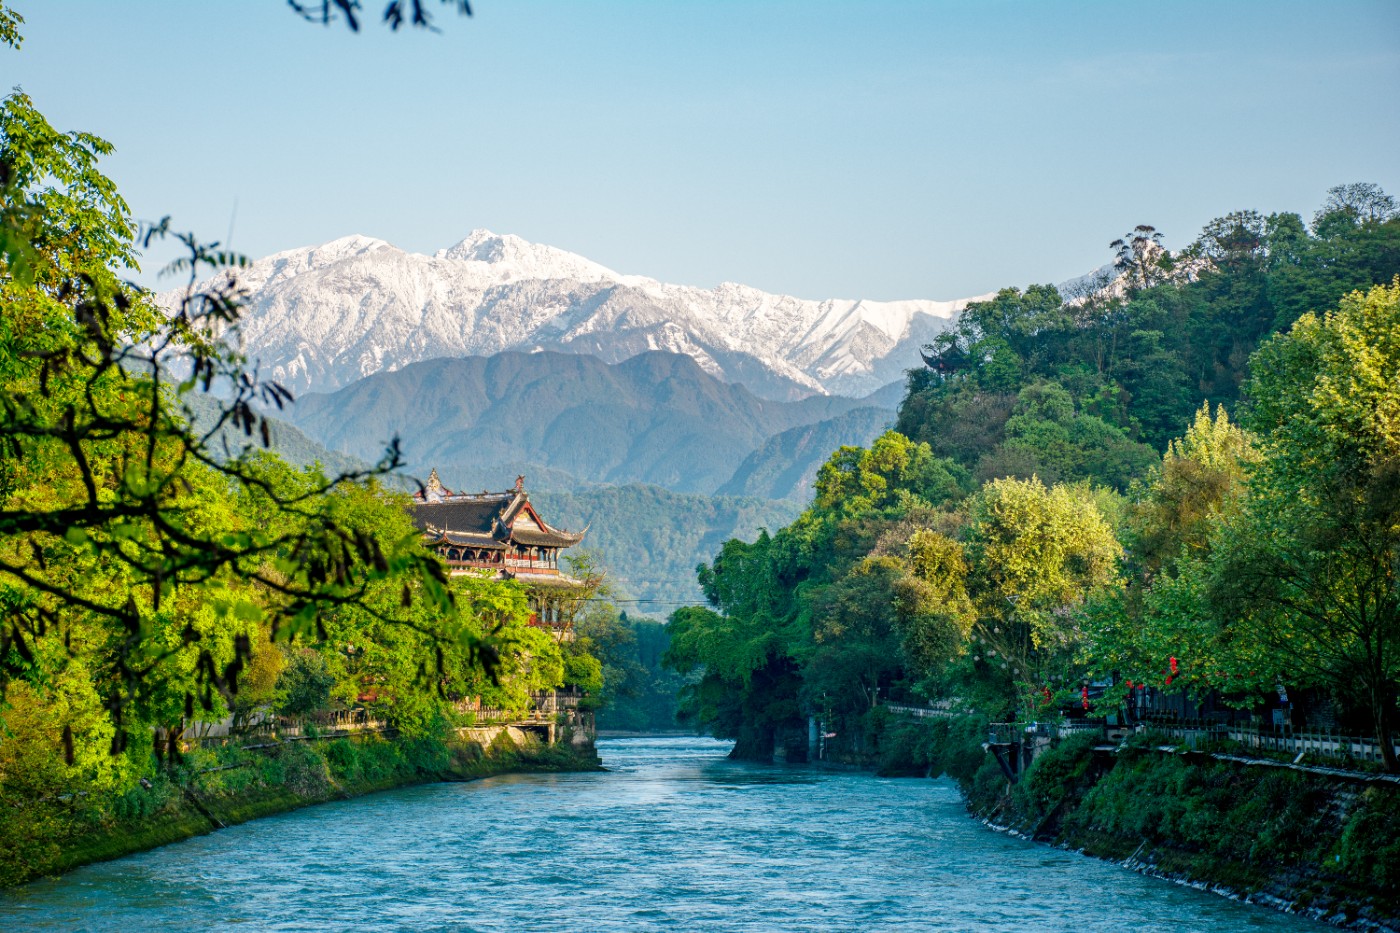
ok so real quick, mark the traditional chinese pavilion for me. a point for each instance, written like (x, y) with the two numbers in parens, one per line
(501, 534)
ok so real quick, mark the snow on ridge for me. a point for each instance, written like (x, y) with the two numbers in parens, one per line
(320, 317)
(508, 258)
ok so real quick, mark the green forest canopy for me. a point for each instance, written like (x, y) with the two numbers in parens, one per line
(1180, 475)
(152, 580)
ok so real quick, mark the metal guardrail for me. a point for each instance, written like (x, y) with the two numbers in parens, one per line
(340, 722)
(923, 712)
(1286, 741)
(1196, 735)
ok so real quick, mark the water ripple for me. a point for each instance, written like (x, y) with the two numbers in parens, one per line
(673, 837)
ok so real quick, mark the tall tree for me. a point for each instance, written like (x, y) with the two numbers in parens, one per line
(1310, 567)
(1034, 555)
(1140, 257)
(114, 508)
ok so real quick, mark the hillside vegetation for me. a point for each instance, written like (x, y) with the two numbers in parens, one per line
(566, 420)
(651, 539)
(1183, 478)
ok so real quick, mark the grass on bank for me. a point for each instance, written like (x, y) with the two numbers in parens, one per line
(225, 785)
(1249, 828)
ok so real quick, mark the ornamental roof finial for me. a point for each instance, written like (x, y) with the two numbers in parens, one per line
(434, 485)
(520, 483)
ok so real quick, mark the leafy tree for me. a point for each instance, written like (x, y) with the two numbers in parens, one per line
(1034, 554)
(1140, 258)
(854, 653)
(1181, 499)
(932, 605)
(305, 684)
(259, 685)
(117, 531)
(1354, 205)
(1162, 612)
(1230, 242)
(1308, 568)
(1047, 436)
(856, 480)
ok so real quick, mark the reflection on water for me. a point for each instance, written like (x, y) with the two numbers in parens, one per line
(673, 837)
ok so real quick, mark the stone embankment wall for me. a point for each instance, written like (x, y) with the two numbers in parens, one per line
(215, 787)
(1325, 845)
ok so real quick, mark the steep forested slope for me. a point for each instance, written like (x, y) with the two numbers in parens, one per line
(1173, 479)
(651, 539)
(564, 419)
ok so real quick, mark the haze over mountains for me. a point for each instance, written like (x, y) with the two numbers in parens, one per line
(321, 317)
(570, 421)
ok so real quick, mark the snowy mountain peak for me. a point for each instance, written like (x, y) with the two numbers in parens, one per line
(321, 317)
(511, 259)
(291, 263)
(335, 251)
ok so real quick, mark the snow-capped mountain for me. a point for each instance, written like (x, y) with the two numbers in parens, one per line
(321, 317)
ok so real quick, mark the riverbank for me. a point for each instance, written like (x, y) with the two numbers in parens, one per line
(216, 787)
(1322, 846)
(672, 835)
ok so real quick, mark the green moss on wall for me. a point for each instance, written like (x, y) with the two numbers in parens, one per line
(229, 785)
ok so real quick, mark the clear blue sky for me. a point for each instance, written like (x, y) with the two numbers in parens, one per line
(823, 149)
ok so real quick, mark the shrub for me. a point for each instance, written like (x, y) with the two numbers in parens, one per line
(304, 769)
(1056, 773)
(1369, 847)
(344, 759)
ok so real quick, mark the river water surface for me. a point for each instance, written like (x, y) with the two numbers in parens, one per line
(672, 837)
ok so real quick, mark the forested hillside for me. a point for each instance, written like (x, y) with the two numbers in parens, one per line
(161, 569)
(1093, 385)
(567, 420)
(785, 466)
(1180, 476)
(649, 539)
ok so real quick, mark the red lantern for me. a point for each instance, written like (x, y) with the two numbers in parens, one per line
(1084, 694)
(1173, 664)
(1130, 684)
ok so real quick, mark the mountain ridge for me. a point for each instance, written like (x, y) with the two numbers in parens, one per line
(318, 318)
(654, 418)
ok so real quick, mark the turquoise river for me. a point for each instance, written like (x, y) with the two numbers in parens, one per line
(673, 836)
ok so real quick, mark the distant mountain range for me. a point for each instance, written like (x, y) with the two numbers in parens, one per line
(570, 421)
(319, 318)
(650, 539)
(668, 416)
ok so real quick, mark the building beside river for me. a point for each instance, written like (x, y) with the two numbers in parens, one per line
(501, 534)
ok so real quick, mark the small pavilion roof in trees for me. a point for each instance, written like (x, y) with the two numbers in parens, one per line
(498, 533)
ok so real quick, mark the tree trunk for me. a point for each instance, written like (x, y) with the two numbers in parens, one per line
(1380, 713)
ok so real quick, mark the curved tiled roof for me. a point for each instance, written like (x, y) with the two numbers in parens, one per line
(546, 538)
(471, 540)
(473, 514)
(485, 519)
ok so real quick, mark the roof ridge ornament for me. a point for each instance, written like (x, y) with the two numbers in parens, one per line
(434, 485)
(520, 483)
